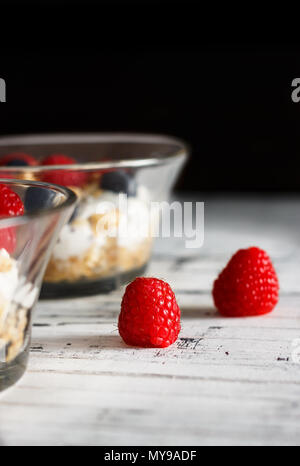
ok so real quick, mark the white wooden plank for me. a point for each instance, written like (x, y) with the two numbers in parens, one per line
(233, 381)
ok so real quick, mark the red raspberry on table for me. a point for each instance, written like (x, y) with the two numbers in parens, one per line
(10, 206)
(248, 286)
(63, 177)
(150, 316)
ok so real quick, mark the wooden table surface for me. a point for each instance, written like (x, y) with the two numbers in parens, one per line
(224, 382)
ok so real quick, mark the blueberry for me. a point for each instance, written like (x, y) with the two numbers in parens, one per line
(119, 182)
(38, 198)
(17, 163)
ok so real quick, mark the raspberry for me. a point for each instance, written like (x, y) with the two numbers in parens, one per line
(58, 159)
(17, 159)
(63, 177)
(10, 203)
(10, 206)
(248, 286)
(150, 316)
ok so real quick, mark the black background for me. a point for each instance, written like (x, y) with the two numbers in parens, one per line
(159, 67)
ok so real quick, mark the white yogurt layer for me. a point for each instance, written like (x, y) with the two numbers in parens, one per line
(9, 279)
(134, 224)
(105, 202)
(73, 241)
(77, 238)
(25, 294)
(14, 288)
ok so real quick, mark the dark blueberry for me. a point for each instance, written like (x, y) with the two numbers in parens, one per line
(17, 163)
(38, 198)
(119, 182)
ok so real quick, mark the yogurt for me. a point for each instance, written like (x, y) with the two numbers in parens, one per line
(78, 237)
(8, 278)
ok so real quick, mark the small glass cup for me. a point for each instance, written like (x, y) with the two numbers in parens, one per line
(117, 177)
(26, 243)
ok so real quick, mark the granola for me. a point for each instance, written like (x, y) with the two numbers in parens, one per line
(16, 300)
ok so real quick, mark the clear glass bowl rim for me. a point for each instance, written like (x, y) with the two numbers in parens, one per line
(70, 200)
(181, 152)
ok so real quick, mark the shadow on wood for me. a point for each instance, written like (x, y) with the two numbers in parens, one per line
(191, 312)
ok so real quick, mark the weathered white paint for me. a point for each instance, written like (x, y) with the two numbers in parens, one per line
(225, 381)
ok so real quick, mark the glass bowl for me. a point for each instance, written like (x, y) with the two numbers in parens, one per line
(117, 178)
(26, 243)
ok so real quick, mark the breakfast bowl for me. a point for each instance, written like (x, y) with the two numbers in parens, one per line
(27, 236)
(117, 178)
